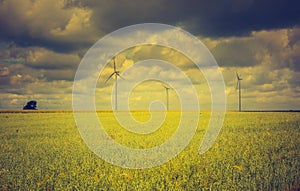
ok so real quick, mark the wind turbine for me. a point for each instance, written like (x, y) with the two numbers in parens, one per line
(167, 93)
(238, 86)
(116, 73)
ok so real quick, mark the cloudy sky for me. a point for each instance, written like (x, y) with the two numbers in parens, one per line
(42, 43)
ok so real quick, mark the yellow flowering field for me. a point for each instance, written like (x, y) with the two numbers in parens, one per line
(254, 151)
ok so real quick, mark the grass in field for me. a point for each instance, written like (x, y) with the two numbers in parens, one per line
(254, 151)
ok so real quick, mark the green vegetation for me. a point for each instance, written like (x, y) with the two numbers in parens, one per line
(254, 151)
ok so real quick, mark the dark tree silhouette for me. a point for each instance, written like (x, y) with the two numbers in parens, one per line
(31, 105)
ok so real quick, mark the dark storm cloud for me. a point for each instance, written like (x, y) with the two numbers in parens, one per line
(208, 18)
(51, 25)
(235, 18)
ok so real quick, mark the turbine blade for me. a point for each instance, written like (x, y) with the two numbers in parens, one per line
(109, 77)
(120, 76)
(114, 65)
(238, 77)
(165, 87)
(237, 84)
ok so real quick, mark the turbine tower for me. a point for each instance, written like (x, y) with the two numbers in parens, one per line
(238, 86)
(116, 73)
(167, 93)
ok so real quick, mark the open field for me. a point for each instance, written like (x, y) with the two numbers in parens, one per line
(254, 151)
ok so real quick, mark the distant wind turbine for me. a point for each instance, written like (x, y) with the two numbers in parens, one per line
(238, 86)
(167, 93)
(116, 73)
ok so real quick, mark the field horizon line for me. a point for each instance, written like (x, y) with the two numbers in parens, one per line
(135, 111)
